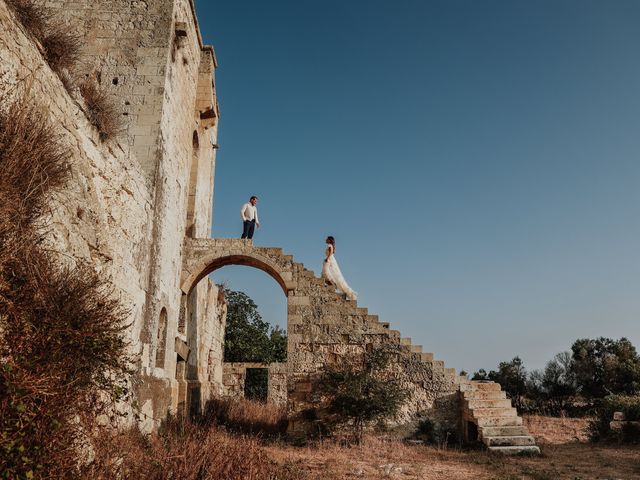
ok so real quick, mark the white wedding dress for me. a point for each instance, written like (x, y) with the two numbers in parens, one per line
(331, 271)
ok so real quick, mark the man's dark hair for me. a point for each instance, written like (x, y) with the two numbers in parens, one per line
(253, 198)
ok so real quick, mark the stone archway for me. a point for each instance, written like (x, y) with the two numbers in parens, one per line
(203, 256)
(323, 327)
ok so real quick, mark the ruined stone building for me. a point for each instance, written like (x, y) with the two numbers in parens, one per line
(140, 210)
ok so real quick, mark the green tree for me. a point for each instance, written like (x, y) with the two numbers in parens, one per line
(605, 366)
(556, 385)
(248, 338)
(359, 393)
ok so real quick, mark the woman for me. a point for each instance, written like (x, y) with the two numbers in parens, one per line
(331, 271)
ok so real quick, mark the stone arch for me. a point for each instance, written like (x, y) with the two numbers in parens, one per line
(207, 255)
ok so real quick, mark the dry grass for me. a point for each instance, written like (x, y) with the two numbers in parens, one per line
(185, 452)
(102, 111)
(33, 15)
(63, 355)
(557, 430)
(384, 458)
(61, 46)
(247, 416)
(206, 453)
(33, 164)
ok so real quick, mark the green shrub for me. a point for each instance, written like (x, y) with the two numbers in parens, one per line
(599, 428)
(359, 392)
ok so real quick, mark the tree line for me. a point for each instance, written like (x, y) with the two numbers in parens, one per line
(572, 381)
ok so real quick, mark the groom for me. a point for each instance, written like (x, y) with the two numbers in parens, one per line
(249, 214)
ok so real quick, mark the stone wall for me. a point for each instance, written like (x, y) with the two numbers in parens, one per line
(235, 374)
(134, 198)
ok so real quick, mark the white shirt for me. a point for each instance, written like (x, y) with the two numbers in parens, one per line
(249, 212)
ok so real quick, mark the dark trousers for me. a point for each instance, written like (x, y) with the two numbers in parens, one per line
(248, 226)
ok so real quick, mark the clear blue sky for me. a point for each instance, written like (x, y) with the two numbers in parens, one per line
(477, 161)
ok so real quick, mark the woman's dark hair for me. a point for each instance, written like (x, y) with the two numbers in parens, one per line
(332, 241)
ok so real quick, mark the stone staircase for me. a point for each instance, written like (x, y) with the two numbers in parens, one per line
(497, 423)
(484, 403)
(373, 322)
(324, 325)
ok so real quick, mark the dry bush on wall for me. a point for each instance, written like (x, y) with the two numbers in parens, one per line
(61, 46)
(33, 15)
(102, 111)
(61, 332)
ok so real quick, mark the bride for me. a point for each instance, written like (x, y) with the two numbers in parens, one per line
(331, 271)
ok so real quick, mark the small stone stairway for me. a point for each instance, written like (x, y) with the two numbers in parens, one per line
(498, 425)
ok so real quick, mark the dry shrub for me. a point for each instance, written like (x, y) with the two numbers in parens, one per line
(186, 452)
(61, 344)
(33, 15)
(102, 111)
(239, 415)
(61, 46)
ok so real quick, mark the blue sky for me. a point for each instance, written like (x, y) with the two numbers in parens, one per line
(477, 162)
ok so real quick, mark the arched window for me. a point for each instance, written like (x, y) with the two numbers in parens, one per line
(162, 338)
(190, 226)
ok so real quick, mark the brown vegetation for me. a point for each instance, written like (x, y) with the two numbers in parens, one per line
(198, 451)
(102, 111)
(186, 452)
(61, 46)
(247, 416)
(63, 355)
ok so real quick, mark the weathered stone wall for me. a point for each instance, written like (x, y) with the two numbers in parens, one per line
(235, 375)
(133, 199)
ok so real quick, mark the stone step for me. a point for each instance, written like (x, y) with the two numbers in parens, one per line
(503, 431)
(362, 311)
(416, 348)
(484, 386)
(405, 341)
(385, 324)
(426, 357)
(509, 421)
(450, 371)
(438, 366)
(488, 403)
(506, 441)
(373, 318)
(462, 380)
(494, 412)
(516, 450)
(484, 395)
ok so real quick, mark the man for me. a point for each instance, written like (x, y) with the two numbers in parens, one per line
(249, 214)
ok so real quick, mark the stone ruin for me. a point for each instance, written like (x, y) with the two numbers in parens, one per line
(140, 210)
